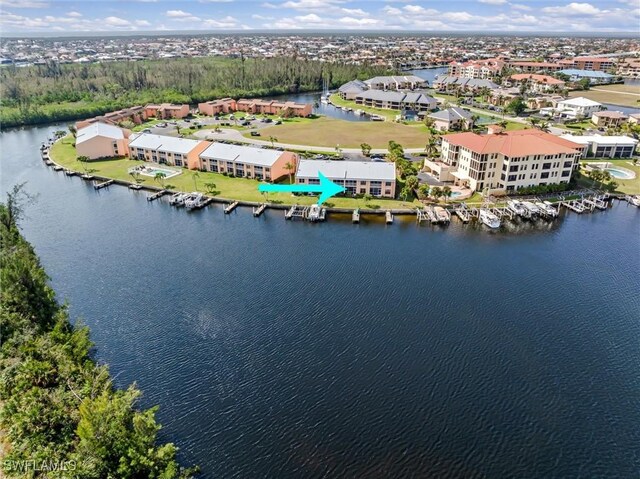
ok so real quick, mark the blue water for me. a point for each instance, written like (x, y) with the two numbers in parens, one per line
(284, 349)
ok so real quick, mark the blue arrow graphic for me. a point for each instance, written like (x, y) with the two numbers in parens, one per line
(326, 188)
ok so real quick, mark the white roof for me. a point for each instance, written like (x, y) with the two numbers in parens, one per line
(349, 170)
(99, 129)
(249, 155)
(579, 101)
(601, 140)
(170, 144)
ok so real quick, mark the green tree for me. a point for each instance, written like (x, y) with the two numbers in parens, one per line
(412, 182)
(196, 177)
(366, 149)
(436, 192)
(210, 187)
(517, 106)
(73, 130)
(290, 167)
(160, 177)
(432, 146)
(405, 193)
(273, 140)
(446, 192)
(423, 191)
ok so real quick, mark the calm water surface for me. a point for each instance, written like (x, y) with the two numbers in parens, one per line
(282, 349)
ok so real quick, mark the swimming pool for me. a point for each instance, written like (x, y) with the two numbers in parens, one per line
(455, 194)
(153, 171)
(621, 173)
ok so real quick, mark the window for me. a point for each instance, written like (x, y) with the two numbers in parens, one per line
(178, 162)
(568, 164)
(513, 168)
(566, 173)
(544, 175)
(314, 181)
(546, 166)
(512, 177)
(213, 167)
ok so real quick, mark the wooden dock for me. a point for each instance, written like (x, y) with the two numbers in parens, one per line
(421, 215)
(463, 213)
(388, 217)
(259, 210)
(135, 186)
(295, 212)
(574, 205)
(355, 216)
(57, 168)
(157, 195)
(86, 177)
(229, 208)
(104, 184)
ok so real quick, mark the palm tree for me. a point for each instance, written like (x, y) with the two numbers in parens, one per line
(136, 176)
(210, 187)
(446, 192)
(432, 146)
(423, 190)
(272, 139)
(73, 130)
(503, 123)
(196, 175)
(412, 182)
(338, 150)
(289, 167)
(544, 126)
(405, 193)
(533, 121)
(436, 192)
(159, 177)
(429, 122)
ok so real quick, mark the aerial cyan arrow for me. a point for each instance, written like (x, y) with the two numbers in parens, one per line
(326, 188)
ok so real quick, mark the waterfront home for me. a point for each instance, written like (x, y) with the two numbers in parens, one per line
(536, 83)
(600, 146)
(167, 150)
(574, 108)
(166, 111)
(273, 107)
(444, 83)
(248, 161)
(351, 89)
(396, 100)
(217, 107)
(102, 140)
(535, 67)
(634, 118)
(505, 161)
(608, 119)
(602, 64)
(406, 82)
(135, 114)
(453, 118)
(595, 77)
(358, 177)
(487, 68)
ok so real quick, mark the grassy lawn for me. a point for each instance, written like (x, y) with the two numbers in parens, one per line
(625, 95)
(64, 153)
(329, 132)
(630, 187)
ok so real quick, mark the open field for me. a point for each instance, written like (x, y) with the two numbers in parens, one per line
(329, 132)
(630, 187)
(624, 95)
(64, 153)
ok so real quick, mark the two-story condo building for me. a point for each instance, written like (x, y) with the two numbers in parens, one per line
(396, 100)
(217, 107)
(600, 146)
(406, 82)
(248, 161)
(102, 140)
(167, 150)
(487, 68)
(505, 161)
(358, 177)
(166, 111)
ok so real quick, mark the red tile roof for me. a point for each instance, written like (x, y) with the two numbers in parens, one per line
(514, 143)
(546, 79)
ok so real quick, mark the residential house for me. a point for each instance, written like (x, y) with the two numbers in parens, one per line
(634, 118)
(536, 83)
(396, 100)
(358, 177)
(608, 119)
(217, 107)
(166, 111)
(351, 89)
(407, 82)
(573, 108)
(505, 161)
(102, 140)
(167, 150)
(599, 146)
(487, 68)
(453, 118)
(248, 161)
(629, 67)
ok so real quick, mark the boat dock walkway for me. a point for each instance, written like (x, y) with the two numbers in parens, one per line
(230, 207)
(295, 211)
(104, 184)
(388, 217)
(157, 195)
(355, 216)
(259, 210)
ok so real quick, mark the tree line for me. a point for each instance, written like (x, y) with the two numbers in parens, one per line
(60, 415)
(54, 91)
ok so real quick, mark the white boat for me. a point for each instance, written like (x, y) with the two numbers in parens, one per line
(359, 112)
(531, 208)
(489, 219)
(518, 208)
(547, 208)
(635, 200)
(177, 199)
(324, 101)
(377, 118)
(315, 213)
(195, 200)
(442, 215)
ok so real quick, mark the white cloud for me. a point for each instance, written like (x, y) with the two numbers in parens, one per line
(358, 22)
(310, 4)
(74, 14)
(24, 4)
(178, 14)
(519, 6)
(117, 22)
(391, 10)
(268, 5)
(216, 1)
(255, 16)
(573, 8)
(493, 2)
(358, 12)
(419, 10)
(226, 22)
(311, 18)
(142, 23)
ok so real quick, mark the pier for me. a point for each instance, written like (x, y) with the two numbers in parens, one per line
(135, 186)
(355, 216)
(104, 184)
(421, 215)
(70, 173)
(295, 212)
(157, 195)
(574, 205)
(229, 208)
(259, 210)
(463, 212)
(57, 168)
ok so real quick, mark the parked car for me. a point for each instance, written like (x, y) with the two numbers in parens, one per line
(161, 125)
(255, 133)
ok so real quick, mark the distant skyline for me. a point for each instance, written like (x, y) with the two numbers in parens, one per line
(501, 16)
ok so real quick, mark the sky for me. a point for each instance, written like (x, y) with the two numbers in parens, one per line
(71, 16)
